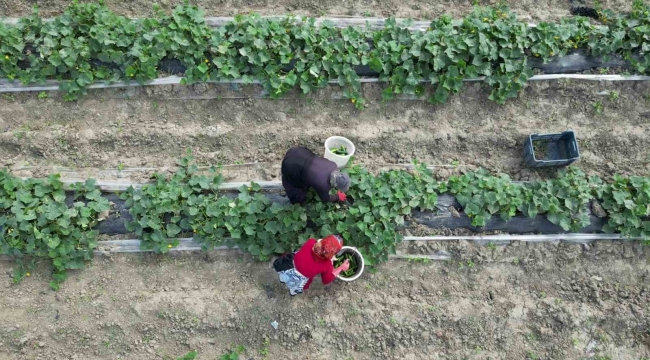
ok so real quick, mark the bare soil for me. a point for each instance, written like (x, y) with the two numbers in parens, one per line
(154, 126)
(535, 301)
(507, 302)
(535, 10)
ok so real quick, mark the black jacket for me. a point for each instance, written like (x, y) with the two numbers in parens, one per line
(301, 168)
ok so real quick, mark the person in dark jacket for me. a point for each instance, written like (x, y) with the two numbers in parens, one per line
(302, 169)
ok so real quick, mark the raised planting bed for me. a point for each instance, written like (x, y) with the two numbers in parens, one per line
(39, 220)
(442, 218)
(285, 54)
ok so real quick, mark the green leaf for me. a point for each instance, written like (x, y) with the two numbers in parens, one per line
(272, 226)
(291, 78)
(173, 230)
(479, 221)
(472, 209)
(52, 243)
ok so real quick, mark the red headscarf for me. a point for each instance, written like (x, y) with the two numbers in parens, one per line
(328, 247)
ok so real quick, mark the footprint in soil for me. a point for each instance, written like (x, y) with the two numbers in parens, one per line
(269, 291)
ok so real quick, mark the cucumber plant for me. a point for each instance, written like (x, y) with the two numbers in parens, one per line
(627, 202)
(563, 200)
(188, 202)
(38, 220)
(89, 43)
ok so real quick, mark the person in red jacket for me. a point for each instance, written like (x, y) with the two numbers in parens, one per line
(299, 269)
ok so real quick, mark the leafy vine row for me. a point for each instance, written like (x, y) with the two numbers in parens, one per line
(39, 220)
(89, 43)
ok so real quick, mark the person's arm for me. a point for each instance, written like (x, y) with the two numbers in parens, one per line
(343, 267)
(318, 177)
(324, 193)
(325, 196)
(328, 275)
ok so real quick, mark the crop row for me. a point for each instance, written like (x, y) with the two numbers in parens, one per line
(89, 43)
(39, 220)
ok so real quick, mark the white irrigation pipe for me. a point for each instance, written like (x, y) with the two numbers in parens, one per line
(590, 77)
(338, 22)
(440, 256)
(568, 238)
(53, 85)
(133, 246)
(201, 167)
(188, 244)
(412, 166)
(344, 22)
(117, 186)
(135, 169)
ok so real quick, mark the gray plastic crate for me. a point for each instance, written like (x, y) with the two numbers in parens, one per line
(556, 149)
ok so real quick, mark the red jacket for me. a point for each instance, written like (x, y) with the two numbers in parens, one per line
(310, 265)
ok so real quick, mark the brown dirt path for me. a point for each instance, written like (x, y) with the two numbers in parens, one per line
(514, 302)
(534, 10)
(154, 126)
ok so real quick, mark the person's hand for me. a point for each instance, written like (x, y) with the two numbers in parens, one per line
(345, 265)
(341, 195)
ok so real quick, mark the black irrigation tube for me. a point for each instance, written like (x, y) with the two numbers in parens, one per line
(573, 62)
(441, 219)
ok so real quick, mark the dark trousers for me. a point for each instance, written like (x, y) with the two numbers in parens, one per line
(284, 263)
(296, 195)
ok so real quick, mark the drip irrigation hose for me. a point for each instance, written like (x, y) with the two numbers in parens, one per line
(188, 244)
(53, 85)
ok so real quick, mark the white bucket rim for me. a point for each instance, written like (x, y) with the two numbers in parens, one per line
(360, 267)
(354, 148)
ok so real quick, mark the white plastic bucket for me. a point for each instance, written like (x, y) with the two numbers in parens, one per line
(360, 262)
(334, 142)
